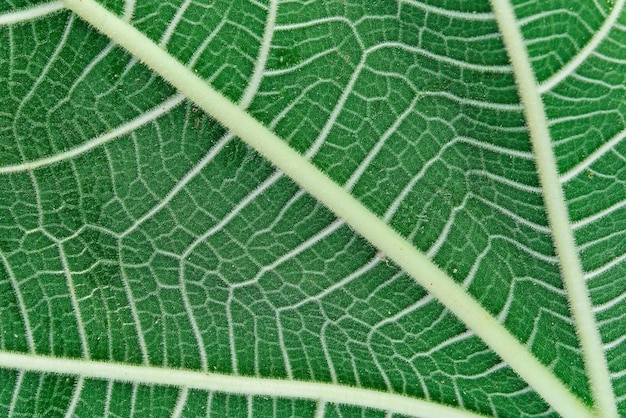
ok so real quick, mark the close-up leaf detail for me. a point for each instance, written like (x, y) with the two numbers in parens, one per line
(320, 208)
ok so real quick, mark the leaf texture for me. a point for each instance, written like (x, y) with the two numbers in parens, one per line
(136, 230)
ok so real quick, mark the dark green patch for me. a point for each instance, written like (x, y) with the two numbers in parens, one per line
(285, 58)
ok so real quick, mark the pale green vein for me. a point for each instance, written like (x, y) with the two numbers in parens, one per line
(120, 131)
(78, 390)
(30, 13)
(19, 295)
(450, 13)
(558, 217)
(339, 201)
(250, 386)
(179, 410)
(594, 156)
(264, 50)
(78, 315)
(584, 53)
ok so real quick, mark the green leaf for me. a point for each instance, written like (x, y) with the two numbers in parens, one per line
(323, 208)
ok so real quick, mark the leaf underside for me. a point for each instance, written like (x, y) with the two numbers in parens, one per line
(135, 229)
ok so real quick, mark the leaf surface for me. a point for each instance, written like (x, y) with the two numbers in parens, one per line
(137, 231)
